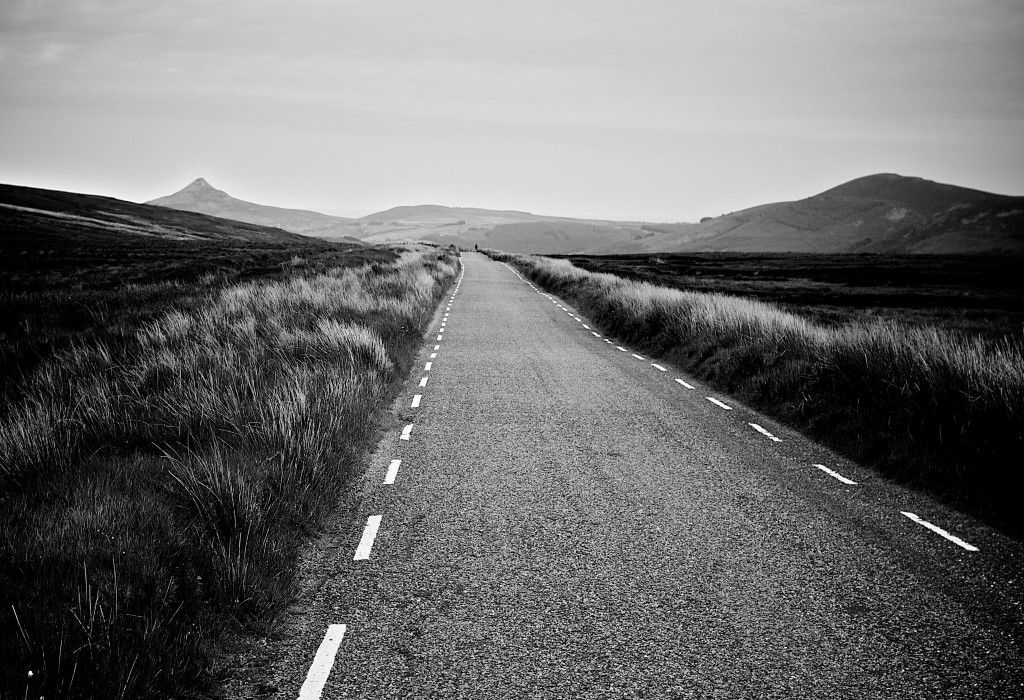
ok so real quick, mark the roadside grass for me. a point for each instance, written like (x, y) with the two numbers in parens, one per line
(54, 295)
(975, 294)
(156, 490)
(930, 407)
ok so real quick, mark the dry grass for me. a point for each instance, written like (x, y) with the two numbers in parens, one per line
(934, 408)
(156, 495)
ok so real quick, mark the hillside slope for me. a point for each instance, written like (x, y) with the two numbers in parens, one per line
(510, 230)
(68, 217)
(199, 196)
(883, 213)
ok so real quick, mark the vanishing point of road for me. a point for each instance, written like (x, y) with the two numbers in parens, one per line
(555, 515)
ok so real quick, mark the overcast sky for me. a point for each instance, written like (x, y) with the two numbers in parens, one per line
(654, 110)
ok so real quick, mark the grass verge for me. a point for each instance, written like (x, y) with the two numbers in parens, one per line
(155, 492)
(933, 408)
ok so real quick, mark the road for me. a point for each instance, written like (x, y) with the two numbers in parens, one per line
(570, 520)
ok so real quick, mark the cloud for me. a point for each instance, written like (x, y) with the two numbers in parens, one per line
(740, 74)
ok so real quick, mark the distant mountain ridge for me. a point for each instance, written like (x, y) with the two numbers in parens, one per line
(882, 213)
(200, 196)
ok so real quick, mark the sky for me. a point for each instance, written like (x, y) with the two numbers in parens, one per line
(643, 109)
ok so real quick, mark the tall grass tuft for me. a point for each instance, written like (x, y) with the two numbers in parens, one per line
(931, 407)
(156, 495)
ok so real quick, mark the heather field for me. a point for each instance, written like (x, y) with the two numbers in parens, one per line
(939, 408)
(974, 294)
(173, 427)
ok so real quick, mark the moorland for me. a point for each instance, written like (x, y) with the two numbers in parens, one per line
(185, 400)
(979, 295)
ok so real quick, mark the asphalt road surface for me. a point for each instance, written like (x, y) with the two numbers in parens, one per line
(571, 520)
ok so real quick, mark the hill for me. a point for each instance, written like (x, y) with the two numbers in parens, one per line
(883, 213)
(199, 196)
(435, 223)
(504, 229)
(33, 216)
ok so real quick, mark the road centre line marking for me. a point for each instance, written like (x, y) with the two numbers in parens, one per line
(433, 355)
(621, 348)
(608, 341)
(426, 367)
(586, 326)
(406, 431)
(320, 669)
(389, 478)
(416, 401)
(437, 347)
(369, 535)
(596, 335)
(764, 432)
(423, 382)
(939, 531)
(718, 403)
(639, 357)
(836, 475)
(658, 367)
(680, 381)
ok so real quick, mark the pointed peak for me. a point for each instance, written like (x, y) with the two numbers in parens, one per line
(199, 183)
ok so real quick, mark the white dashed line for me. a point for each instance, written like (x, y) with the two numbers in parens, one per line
(320, 669)
(718, 403)
(406, 432)
(836, 475)
(621, 348)
(437, 347)
(426, 367)
(764, 432)
(586, 326)
(416, 401)
(423, 382)
(440, 337)
(433, 355)
(369, 535)
(680, 381)
(658, 367)
(596, 335)
(389, 478)
(939, 531)
(639, 357)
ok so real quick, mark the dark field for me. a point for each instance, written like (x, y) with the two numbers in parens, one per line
(978, 295)
(65, 280)
(183, 401)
